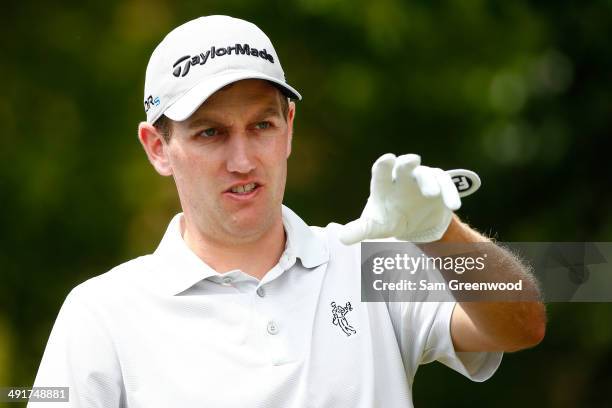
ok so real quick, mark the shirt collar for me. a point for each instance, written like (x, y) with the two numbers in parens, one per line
(302, 241)
(181, 268)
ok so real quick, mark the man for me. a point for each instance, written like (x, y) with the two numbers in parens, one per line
(241, 304)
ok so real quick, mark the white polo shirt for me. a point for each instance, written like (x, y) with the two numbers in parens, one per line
(166, 330)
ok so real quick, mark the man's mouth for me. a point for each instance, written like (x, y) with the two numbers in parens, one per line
(243, 188)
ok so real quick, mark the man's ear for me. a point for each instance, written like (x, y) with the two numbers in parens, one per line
(290, 117)
(155, 147)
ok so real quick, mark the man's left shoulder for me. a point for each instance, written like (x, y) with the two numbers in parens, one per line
(330, 236)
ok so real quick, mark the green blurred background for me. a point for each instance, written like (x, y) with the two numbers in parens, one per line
(519, 91)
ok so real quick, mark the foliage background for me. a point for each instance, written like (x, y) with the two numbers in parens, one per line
(518, 91)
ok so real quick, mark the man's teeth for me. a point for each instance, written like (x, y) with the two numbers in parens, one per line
(243, 189)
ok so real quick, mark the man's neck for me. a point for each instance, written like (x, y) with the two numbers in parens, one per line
(255, 257)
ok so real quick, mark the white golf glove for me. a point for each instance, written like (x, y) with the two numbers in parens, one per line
(408, 201)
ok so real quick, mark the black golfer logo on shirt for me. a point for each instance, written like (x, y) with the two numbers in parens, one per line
(339, 314)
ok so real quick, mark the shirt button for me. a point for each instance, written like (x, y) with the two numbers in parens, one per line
(227, 280)
(272, 327)
(261, 292)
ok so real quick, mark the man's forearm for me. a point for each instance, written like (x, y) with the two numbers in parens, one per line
(507, 326)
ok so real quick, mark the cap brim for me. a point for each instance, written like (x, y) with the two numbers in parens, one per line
(187, 104)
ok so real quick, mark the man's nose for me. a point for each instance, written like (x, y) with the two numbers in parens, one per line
(239, 155)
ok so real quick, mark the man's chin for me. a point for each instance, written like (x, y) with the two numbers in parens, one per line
(247, 224)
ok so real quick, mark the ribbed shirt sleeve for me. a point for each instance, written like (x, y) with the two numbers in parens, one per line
(81, 355)
(423, 331)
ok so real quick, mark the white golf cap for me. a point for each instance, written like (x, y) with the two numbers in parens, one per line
(202, 56)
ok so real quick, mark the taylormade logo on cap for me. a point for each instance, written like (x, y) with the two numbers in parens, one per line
(202, 56)
(219, 52)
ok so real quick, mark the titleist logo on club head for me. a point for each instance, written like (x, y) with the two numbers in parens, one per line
(183, 65)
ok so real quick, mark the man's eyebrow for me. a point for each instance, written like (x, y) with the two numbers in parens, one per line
(203, 120)
(271, 110)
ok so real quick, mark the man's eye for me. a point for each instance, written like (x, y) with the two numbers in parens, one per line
(209, 132)
(262, 125)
